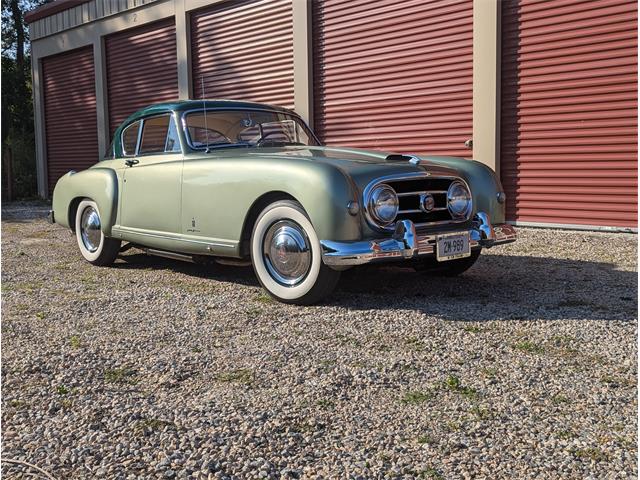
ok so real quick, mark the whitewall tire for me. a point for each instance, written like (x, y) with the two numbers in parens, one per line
(94, 246)
(287, 256)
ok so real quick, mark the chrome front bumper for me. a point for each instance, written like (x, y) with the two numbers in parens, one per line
(405, 243)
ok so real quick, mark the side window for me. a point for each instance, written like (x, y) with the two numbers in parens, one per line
(173, 140)
(130, 139)
(159, 135)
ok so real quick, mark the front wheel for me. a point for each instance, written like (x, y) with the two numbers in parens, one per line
(94, 246)
(451, 268)
(287, 257)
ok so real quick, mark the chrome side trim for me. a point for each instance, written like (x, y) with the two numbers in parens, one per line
(406, 244)
(180, 238)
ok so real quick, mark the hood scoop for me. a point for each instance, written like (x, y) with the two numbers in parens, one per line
(397, 157)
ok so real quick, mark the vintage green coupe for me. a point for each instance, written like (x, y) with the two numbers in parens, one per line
(237, 181)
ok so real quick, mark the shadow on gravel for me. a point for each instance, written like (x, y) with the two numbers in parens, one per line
(498, 287)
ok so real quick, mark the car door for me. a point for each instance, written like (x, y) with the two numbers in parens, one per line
(152, 178)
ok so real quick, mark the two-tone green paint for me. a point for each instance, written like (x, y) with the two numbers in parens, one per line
(203, 203)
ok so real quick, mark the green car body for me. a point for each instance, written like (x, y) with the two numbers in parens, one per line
(198, 202)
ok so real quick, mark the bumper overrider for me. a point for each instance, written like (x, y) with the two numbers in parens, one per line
(406, 243)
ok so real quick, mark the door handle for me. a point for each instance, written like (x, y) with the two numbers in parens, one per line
(130, 162)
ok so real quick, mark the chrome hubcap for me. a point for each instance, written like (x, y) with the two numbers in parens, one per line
(286, 252)
(90, 229)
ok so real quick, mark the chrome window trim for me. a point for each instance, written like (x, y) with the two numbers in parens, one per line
(185, 130)
(122, 144)
(410, 176)
(171, 116)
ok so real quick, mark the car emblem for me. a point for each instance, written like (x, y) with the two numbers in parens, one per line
(427, 202)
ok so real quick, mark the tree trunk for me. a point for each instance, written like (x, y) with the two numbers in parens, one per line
(7, 174)
(22, 110)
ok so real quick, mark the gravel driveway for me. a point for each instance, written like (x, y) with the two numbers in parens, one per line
(524, 367)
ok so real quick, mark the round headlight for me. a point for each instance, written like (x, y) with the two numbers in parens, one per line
(383, 204)
(458, 200)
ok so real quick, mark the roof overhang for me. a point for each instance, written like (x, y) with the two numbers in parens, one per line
(51, 8)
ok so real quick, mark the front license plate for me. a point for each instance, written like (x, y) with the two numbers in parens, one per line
(452, 246)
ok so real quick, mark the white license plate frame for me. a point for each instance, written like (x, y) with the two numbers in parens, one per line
(448, 247)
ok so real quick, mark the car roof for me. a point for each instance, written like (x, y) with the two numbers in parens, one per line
(183, 105)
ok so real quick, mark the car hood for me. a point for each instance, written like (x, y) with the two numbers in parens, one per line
(365, 165)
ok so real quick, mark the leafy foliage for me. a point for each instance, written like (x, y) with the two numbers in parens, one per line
(18, 139)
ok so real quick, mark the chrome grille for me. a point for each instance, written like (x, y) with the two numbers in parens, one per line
(410, 192)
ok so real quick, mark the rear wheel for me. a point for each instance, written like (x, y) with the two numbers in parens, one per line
(94, 246)
(287, 257)
(451, 268)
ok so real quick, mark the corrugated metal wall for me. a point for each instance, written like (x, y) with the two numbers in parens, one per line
(86, 12)
(70, 113)
(244, 51)
(569, 111)
(142, 69)
(394, 75)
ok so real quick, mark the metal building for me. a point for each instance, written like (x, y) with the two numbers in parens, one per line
(547, 90)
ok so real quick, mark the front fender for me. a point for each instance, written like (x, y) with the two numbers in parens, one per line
(98, 184)
(483, 182)
(232, 187)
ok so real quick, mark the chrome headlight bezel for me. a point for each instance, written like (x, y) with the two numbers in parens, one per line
(463, 211)
(374, 208)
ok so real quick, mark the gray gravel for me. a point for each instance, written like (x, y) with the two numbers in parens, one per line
(524, 367)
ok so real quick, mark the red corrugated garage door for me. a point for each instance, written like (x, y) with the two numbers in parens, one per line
(70, 113)
(142, 69)
(569, 111)
(394, 75)
(244, 51)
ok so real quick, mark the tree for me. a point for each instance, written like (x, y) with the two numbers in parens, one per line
(18, 140)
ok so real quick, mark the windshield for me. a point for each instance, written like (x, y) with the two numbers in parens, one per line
(211, 129)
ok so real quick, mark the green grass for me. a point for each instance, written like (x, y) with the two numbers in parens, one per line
(62, 390)
(489, 372)
(264, 298)
(565, 434)
(414, 343)
(614, 381)
(590, 453)
(120, 375)
(74, 341)
(426, 440)
(416, 397)
(242, 375)
(18, 404)
(529, 347)
(149, 425)
(326, 404)
(453, 384)
(481, 413)
(345, 341)
(41, 315)
(471, 329)
(559, 399)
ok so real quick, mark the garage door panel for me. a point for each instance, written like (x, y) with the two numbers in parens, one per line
(70, 115)
(142, 69)
(569, 112)
(244, 51)
(372, 79)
